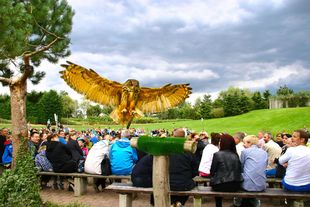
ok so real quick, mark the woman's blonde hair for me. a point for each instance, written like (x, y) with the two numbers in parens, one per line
(251, 139)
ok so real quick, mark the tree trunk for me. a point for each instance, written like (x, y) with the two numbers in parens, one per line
(18, 92)
(161, 186)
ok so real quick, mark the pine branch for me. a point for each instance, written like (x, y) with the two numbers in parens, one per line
(44, 30)
(42, 49)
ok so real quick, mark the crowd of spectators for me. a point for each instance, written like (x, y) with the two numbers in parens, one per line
(233, 162)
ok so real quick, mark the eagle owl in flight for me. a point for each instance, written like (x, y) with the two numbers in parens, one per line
(128, 99)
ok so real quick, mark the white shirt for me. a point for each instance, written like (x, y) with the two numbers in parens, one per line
(298, 170)
(239, 148)
(261, 143)
(95, 157)
(206, 159)
(274, 151)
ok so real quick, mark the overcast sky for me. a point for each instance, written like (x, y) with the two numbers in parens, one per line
(211, 44)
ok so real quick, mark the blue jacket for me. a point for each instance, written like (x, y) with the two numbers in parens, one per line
(62, 140)
(122, 157)
(7, 154)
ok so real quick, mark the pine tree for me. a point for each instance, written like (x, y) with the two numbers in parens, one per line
(31, 31)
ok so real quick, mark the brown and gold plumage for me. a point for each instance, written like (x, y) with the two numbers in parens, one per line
(129, 99)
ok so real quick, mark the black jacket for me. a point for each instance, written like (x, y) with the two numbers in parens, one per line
(141, 175)
(183, 167)
(182, 170)
(76, 151)
(198, 154)
(225, 168)
(60, 157)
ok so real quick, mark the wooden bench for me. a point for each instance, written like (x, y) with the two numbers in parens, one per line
(80, 179)
(274, 182)
(126, 190)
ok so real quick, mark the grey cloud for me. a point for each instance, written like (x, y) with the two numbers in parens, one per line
(234, 51)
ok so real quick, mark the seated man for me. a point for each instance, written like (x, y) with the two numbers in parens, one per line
(274, 151)
(122, 156)
(254, 162)
(297, 161)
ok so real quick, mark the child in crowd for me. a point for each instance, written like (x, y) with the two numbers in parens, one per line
(7, 154)
(81, 143)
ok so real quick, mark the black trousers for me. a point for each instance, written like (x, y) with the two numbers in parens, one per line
(225, 187)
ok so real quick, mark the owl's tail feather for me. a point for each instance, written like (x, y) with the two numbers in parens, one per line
(139, 113)
(115, 115)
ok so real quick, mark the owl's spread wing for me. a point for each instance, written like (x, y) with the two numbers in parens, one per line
(93, 86)
(160, 99)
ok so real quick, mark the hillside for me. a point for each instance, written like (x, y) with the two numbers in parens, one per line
(273, 120)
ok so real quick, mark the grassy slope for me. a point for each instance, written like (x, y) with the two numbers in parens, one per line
(275, 120)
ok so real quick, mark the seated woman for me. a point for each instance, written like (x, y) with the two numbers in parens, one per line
(226, 168)
(59, 155)
(207, 155)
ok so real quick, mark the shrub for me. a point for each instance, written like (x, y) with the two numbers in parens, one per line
(217, 112)
(20, 187)
(145, 120)
(99, 120)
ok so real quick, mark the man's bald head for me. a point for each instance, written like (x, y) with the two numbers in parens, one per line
(179, 132)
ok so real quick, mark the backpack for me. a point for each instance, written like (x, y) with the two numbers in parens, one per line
(106, 166)
(42, 162)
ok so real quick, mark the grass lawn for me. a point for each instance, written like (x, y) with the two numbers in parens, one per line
(273, 120)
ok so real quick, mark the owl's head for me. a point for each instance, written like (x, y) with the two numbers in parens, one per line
(132, 83)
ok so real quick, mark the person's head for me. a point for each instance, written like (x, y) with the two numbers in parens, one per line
(35, 137)
(125, 133)
(279, 137)
(43, 136)
(9, 137)
(108, 137)
(73, 135)
(194, 136)
(300, 137)
(61, 134)
(250, 140)
(179, 132)
(203, 135)
(260, 134)
(53, 137)
(215, 138)
(227, 142)
(286, 139)
(267, 137)
(5, 132)
(238, 137)
(81, 142)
